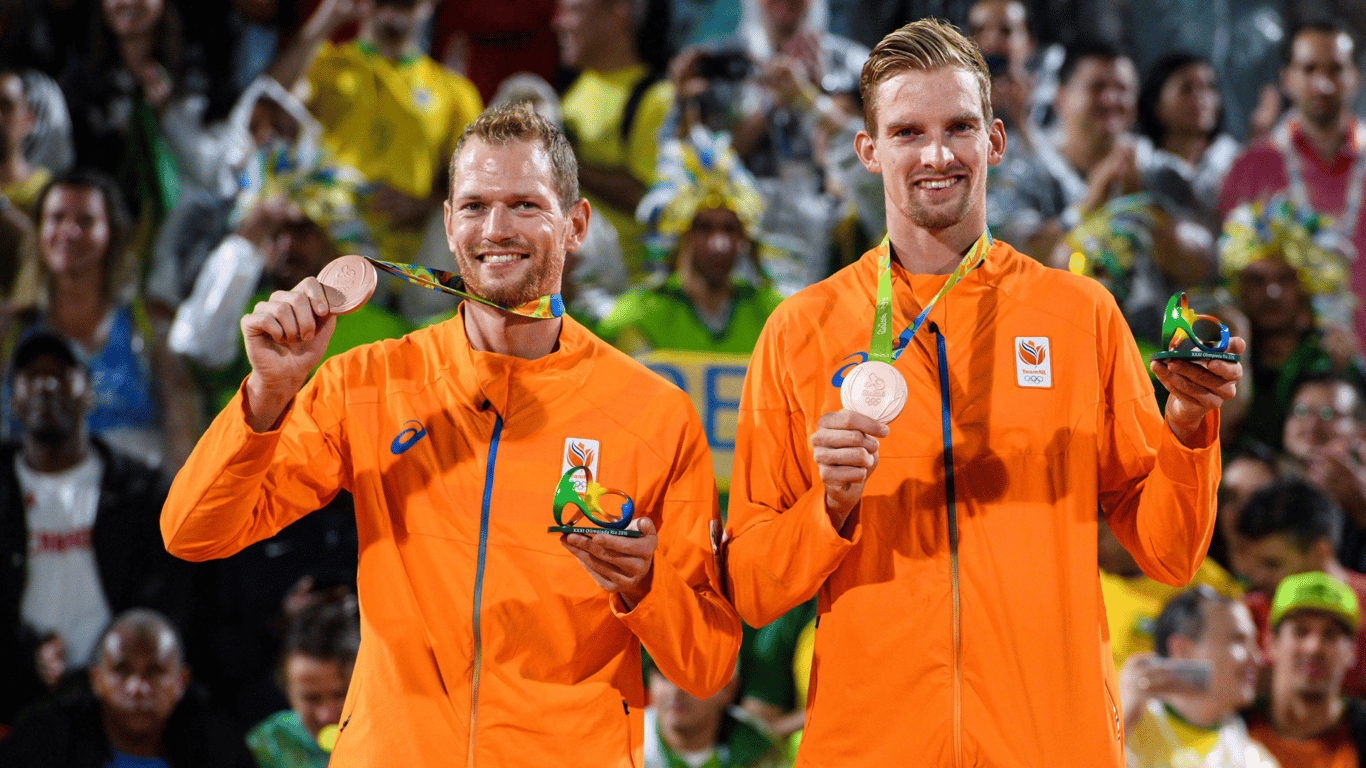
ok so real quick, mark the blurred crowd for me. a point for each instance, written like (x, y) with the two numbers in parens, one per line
(165, 164)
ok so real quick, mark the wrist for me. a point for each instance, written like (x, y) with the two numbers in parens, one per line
(837, 512)
(633, 596)
(265, 401)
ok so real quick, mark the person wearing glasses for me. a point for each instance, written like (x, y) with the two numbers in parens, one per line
(1323, 435)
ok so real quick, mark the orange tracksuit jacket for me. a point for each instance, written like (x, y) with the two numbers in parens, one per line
(960, 617)
(483, 642)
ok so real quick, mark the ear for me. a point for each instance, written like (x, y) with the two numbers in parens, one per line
(182, 681)
(996, 137)
(449, 221)
(866, 150)
(579, 214)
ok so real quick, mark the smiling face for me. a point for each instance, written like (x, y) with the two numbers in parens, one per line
(505, 224)
(1100, 99)
(933, 148)
(73, 230)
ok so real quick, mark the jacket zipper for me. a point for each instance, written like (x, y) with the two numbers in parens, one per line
(479, 583)
(953, 547)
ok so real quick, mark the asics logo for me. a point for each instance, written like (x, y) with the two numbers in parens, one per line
(413, 432)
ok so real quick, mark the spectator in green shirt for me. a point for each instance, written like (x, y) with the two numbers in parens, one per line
(705, 210)
(320, 652)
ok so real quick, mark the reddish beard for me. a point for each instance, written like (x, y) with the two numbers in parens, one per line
(536, 283)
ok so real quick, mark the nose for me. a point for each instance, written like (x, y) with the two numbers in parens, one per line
(498, 224)
(937, 154)
(138, 685)
(1324, 84)
(718, 242)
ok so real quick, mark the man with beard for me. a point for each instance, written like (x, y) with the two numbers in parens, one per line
(78, 523)
(388, 110)
(1317, 153)
(483, 640)
(1307, 721)
(953, 552)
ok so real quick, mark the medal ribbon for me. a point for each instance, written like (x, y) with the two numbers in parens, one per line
(452, 283)
(880, 346)
(1346, 222)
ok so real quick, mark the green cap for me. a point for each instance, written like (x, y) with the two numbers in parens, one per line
(1315, 591)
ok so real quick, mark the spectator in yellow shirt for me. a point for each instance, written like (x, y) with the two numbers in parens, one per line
(387, 109)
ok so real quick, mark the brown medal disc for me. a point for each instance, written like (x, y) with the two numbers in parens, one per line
(874, 389)
(348, 282)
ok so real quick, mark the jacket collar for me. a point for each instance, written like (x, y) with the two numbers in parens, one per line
(509, 383)
(968, 308)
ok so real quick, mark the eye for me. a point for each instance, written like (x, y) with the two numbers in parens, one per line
(472, 206)
(526, 205)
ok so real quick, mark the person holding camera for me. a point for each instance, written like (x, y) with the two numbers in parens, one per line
(1181, 703)
(787, 92)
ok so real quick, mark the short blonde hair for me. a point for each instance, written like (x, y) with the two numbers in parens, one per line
(924, 45)
(506, 123)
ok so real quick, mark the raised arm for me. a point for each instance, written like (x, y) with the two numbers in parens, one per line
(293, 62)
(272, 455)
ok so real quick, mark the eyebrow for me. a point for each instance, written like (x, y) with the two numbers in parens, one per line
(962, 117)
(478, 196)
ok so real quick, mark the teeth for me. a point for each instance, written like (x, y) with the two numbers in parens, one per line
(937, 184)
(501, 258)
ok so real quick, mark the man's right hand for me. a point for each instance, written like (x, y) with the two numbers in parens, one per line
(286, 337)
(845, 446)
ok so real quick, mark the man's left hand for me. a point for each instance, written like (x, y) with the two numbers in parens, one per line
(617, 563)
(1197, 388)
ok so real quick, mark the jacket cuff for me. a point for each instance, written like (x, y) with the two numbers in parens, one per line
(663, 579)
(257, 450)
(1182, 464)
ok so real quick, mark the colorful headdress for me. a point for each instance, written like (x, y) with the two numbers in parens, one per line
(1303, 238)
(697, 174)
(1106, 243)
(300, 171)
